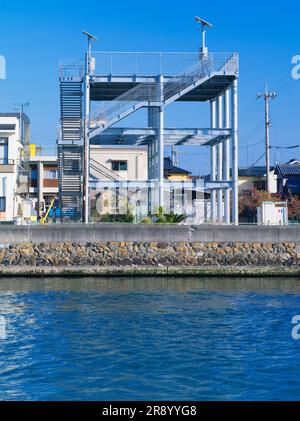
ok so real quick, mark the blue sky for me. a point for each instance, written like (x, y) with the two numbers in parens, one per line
(35, 35)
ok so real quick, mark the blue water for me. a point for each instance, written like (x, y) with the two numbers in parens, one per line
(184, 339)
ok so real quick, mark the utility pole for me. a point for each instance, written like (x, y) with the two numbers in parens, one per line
(88, 71)
(267, 96)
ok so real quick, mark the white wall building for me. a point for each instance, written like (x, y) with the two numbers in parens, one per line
(124, 162)
(43, 181)
(11, 150)
(255, 178)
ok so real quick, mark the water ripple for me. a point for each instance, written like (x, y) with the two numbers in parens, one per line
(181, 339)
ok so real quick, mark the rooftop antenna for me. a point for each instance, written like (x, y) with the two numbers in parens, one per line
(204, 24)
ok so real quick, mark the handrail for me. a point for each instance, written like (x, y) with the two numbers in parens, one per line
(142, 92)
(147, 63)
(103, 170)
(147, 92)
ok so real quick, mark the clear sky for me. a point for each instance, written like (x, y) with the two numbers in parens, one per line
(35, 35)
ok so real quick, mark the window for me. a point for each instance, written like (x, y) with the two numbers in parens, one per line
(3, 150)
(2, 204)
(51, 174)
(119, 165)
(33, 173)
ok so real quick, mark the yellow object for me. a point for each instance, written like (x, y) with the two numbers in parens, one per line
(178, 177)
(32, 149)
(43, 220)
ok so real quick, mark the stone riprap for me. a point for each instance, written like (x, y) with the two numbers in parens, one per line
(150, 254)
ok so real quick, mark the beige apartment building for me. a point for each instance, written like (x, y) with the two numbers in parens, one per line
(121, 162)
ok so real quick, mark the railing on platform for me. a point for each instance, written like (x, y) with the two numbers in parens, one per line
(119, 63)
(151, 92)
(71, 69)
(142, 92)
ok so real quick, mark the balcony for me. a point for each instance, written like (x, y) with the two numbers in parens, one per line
(7, 166)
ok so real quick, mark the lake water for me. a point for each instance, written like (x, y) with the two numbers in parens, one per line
(152, 339)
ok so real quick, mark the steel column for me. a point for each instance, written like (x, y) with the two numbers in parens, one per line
(226, 157)
(234, 146)
(86, 176)
(161, 144)
(213, 150)
(220, 161)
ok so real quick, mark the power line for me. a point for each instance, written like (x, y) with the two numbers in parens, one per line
(256, 162)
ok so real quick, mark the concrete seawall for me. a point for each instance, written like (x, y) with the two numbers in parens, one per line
(149, 250)
(11, 234)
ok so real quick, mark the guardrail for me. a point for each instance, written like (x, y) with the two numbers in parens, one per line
(71, 69)
(144, 63)
(155, 63)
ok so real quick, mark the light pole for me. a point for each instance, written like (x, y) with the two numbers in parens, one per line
(86, 143)
(204, 25)
(267, 96)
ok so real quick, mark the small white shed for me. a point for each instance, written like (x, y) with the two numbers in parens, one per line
(272, 213)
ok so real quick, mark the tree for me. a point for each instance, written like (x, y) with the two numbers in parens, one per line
(294, 208)
(250, 200)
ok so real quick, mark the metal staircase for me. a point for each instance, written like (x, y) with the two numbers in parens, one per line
(145, 94)
(140, 96)
(156, 94)
(98, 169)
(70, 149)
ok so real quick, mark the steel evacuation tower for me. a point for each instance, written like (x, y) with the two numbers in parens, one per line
(205, 77)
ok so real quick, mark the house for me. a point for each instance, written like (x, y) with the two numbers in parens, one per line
(171, 172)
(12, 149)
(118, 162)
(43, 182)
(255, 178)
(288, 177)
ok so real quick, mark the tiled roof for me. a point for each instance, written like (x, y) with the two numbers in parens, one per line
(288, 169)
(252, 171)
(170, 168)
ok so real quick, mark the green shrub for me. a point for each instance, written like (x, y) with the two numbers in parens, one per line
(127, 218)
(168, 218)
